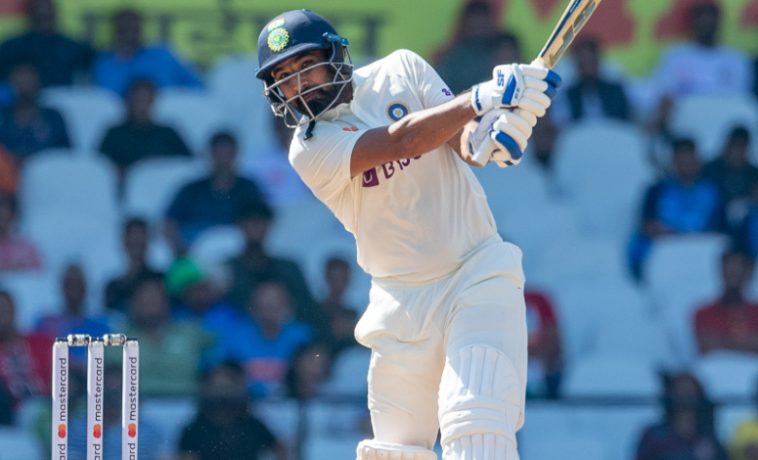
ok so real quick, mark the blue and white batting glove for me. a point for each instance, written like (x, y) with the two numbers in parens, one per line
(502, 134)
(528, 86)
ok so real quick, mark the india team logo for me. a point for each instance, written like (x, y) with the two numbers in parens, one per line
(278, 39)
(397, 111)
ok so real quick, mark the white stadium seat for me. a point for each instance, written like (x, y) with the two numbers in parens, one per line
(232, 81)
(65, 183)
(35, 295)
(681, 273)
(18, 444)
(728, 375)
(611, 375)
(524, 187)
(709, 118)
(170, 416)
(88, 110)
(214, 246)
(195, 114)
(151, 184)
(349, 373)
(602, 168)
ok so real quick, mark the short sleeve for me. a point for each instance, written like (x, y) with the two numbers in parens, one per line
(432, 90)
(323, 160)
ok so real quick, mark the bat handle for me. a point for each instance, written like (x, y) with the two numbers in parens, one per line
(482, 154)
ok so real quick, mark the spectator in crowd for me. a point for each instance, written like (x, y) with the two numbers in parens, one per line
(148, 435)
(131, 58)
(683, 202)
(746, 232)
(139, 137)
(701, 65)
(16, 253)
(72, 317)
(25, 126)
(505, 49)
(336, 319)
(308, 370)
(135, 238)
(58, 58)
(8, 172)
(593, 95)
(171, 351)
(731, 321)
(197, 297)
(256, 264)
(7, 412)
(216, 199)
(466, 60)
(544, 345)
(732, 171)
(687, 429)
(543, 143)
(272, 170)
(266, 342)
(224, 428)
(24, 358)
(744, 442)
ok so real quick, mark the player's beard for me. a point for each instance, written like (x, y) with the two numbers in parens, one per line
(319, 100)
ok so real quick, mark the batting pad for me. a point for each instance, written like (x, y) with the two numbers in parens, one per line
(479, 405)
(376, 450)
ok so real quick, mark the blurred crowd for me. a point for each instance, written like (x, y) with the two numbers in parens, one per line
(252, 328)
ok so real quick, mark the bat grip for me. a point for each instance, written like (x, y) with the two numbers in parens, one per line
(482, 154)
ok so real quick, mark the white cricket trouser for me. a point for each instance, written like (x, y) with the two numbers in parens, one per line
(456, 325)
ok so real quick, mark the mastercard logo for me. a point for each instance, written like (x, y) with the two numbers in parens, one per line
(62, 430)
(97, 431)
(132, 431)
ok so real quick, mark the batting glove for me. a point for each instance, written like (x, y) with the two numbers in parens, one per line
(503, 134)
(513, 83)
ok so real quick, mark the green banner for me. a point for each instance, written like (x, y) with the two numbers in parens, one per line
(635, 31)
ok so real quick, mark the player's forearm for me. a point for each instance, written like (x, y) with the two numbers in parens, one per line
(426, 130)
(414, 135)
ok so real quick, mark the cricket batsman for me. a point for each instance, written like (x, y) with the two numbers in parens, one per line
(386, 147)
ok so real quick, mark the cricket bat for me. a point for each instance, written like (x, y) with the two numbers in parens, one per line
(571, 22)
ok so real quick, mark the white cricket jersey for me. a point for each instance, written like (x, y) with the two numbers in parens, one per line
(414, 220)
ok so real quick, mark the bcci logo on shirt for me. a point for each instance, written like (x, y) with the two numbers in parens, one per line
(397, 111)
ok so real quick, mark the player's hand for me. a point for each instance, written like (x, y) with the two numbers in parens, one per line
(512, 83)
(502, 134)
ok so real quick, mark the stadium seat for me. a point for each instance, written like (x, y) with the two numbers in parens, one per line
(196, 115)
(349, 373)
(287, 237)
(709, 118)
(151, 184)
(340, 244)
(681, 273)
(611, 375)
(88, 110)
(217, 244)
(561, 261)
(730, 416)
(602, 169)
(587, 312)
(321, 447)
(728, 375)
(35, 295)
(525, 187)
(170, 415)
(18, 444)
(65, 183)
(533, 229)
(280, 416)
(232, 82)
(565, 446)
